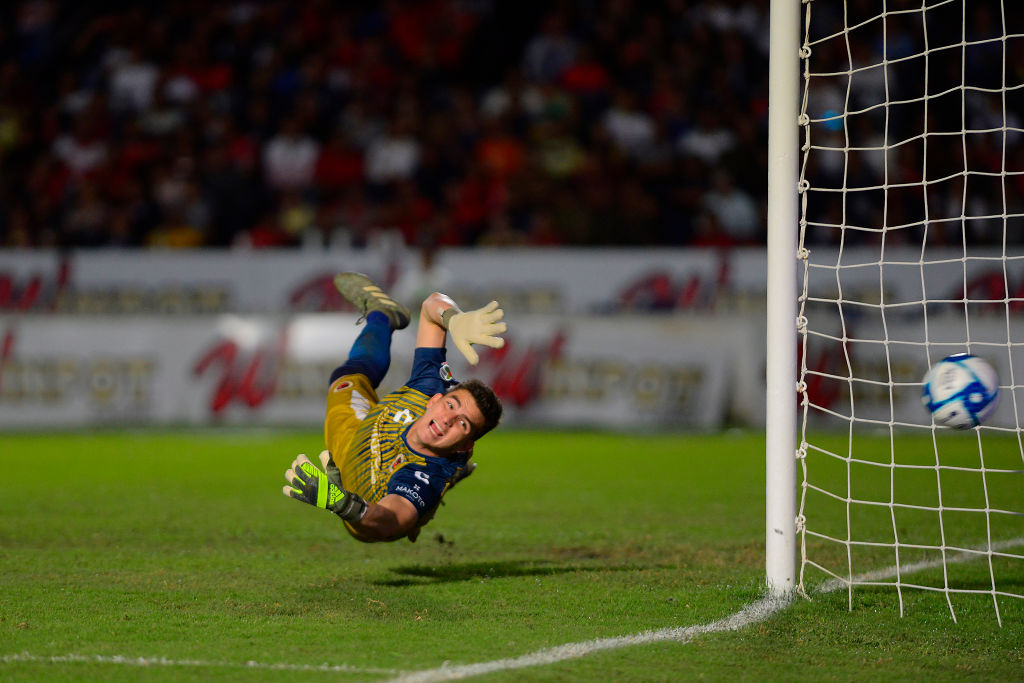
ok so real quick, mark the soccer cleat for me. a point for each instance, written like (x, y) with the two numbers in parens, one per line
(362, 293)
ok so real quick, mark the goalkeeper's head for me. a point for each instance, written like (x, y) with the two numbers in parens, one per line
(453, 421)
(486, 400)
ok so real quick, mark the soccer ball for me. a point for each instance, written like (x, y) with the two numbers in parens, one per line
(960, 391)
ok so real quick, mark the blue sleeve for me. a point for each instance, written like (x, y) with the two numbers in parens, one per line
(430, 373)
(421, 488)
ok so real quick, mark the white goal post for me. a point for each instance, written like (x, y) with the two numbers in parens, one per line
(780, 367)
(895, 238)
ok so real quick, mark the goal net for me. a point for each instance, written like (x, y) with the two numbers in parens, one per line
(911, 248)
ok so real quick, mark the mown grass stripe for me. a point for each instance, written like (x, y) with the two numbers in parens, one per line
(194, 663)
(751, 614)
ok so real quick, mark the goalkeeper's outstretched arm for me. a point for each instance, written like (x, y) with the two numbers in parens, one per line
(441, 316)
(392, 518)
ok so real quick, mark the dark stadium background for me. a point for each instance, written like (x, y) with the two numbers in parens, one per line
(579, 123)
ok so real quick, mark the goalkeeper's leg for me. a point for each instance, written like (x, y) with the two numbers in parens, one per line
(351, 397)
(370, 354)
(349, 400)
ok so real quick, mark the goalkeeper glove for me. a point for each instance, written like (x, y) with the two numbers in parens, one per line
(306, 482)
(475, 327)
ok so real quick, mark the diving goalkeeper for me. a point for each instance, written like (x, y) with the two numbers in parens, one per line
(398, 456)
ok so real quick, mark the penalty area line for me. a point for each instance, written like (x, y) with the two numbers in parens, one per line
(195, 663)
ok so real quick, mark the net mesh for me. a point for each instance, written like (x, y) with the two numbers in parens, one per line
(912, 245)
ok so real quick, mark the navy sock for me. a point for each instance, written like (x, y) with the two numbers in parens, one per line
(371, 352)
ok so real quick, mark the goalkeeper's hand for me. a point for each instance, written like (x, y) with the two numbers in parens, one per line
(475, 327)
(310, 484)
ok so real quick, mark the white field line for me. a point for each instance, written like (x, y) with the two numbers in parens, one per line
(196, 663)
(892, 572)
(751, 614)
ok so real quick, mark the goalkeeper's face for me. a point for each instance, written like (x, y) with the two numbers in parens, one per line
(449, 422)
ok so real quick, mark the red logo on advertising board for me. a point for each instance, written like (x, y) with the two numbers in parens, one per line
(518, 371)
(37, 293)
(659, 291)
(246, 378)
(6, 351)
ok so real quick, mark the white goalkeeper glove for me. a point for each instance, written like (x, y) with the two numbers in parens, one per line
(475, 327)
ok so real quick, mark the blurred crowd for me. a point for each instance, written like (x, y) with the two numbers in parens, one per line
(433, 123)
(928, 147)
(445, 122)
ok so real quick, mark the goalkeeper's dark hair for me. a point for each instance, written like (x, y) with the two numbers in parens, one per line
(486, 400)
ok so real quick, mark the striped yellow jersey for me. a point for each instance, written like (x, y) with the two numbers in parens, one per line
(377, 459)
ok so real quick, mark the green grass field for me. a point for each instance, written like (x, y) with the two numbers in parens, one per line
(173, 556)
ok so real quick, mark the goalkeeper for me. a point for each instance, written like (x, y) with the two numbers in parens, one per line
(388, 462)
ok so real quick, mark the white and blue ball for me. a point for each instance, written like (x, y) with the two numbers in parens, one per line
(960, 391)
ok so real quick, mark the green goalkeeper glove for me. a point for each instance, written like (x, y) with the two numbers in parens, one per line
(310, 484)
(475, 327)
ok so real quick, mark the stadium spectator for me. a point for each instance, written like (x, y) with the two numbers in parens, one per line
(499, 152)
(87, 217)
(631, 131)
(710, 139)
(551, 52)
(394, 155)
(513, 95)
(133, 79)
(336, 101)
(290, 157)
(557, 152)
(408, 211)
(734, 210)
(83, 150)
(339, 164)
